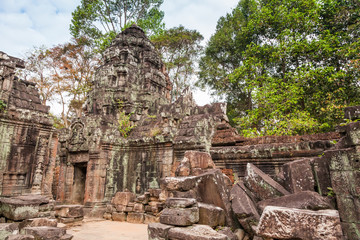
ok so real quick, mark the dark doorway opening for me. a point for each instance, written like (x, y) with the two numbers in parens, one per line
(78, 191)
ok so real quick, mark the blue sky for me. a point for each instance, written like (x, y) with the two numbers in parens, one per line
(28, 23)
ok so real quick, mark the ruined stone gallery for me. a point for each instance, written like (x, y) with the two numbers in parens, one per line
(181, 168)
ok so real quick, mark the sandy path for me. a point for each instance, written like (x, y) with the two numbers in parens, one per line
(109, 230)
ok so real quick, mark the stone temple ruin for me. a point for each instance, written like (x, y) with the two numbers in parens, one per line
(182, 168)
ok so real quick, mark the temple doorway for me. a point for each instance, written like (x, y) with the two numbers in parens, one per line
(78, 190)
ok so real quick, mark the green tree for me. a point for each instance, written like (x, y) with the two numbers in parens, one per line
(224, 53)
(101, 20)
(179, 48)
(299, 70)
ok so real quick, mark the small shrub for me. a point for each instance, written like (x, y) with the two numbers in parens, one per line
(2, 106)
(124, 123)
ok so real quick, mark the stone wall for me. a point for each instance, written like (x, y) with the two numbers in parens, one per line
(27, 140)
(231, 151)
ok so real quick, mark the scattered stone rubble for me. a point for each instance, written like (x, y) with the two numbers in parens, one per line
(183, 169)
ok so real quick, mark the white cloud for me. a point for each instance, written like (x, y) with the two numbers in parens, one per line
(28, 23)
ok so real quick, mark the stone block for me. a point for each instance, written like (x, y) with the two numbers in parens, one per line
(135, 217)
(184, 168)
(67, 237)
(144, 199)
(352, 112)
(120, 217)
(349, 208)
(17, 209)
(344, 159)
(287, 223)
(180, 202)
(244, 207)
(20, 237)
(346, 182)
(321, 174)
(192, 193)
(298, 176)
(69, 219)
(351, 230)
(148, 218)
(301, 200)
(123, 198)
(45, 233)
(69, 211)
(158, 231)
(180, 216)
(120, 208)
(263, 186)
(38, 222)
(212, 189)
(211, 215)
(178, 183)
(7, 229)
(139, 207)
(195, 232)
(110, 208)
(201, 160)
(154, 192)
(107, 216)
(227, 231)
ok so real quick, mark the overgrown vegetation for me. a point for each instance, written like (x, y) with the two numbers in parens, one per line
(2, 106)
(285, 67)
(124, 124)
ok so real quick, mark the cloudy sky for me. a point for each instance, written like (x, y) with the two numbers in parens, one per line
(28, 23)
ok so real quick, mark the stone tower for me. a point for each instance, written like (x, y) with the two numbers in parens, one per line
(96, 160)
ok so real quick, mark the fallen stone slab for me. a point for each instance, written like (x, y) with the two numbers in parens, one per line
(45, 233)
(211, 215)
(195, 232)
(123, 198)
(301, 200)
(244, 207)
(287, 223)
(7, 229)
(180, 216)
(20, 237)
(158, 231)
(180, 202)
(178, 183)
(69, 211)
(263, 186)
(18, 209)
(298, 176)
(38, 222)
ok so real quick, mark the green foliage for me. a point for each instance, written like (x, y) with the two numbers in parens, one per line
(101, 20)
(292, 73)
(330, 192)
(124, 124)
(2, 106)
(179, 48)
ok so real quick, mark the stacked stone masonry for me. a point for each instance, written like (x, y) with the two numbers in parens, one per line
(166, 169)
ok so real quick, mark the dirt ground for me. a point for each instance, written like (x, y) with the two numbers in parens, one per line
(109, 230)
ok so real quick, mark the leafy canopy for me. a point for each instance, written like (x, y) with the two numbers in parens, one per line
(294, 68)
(101, 20)
(179, 48)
